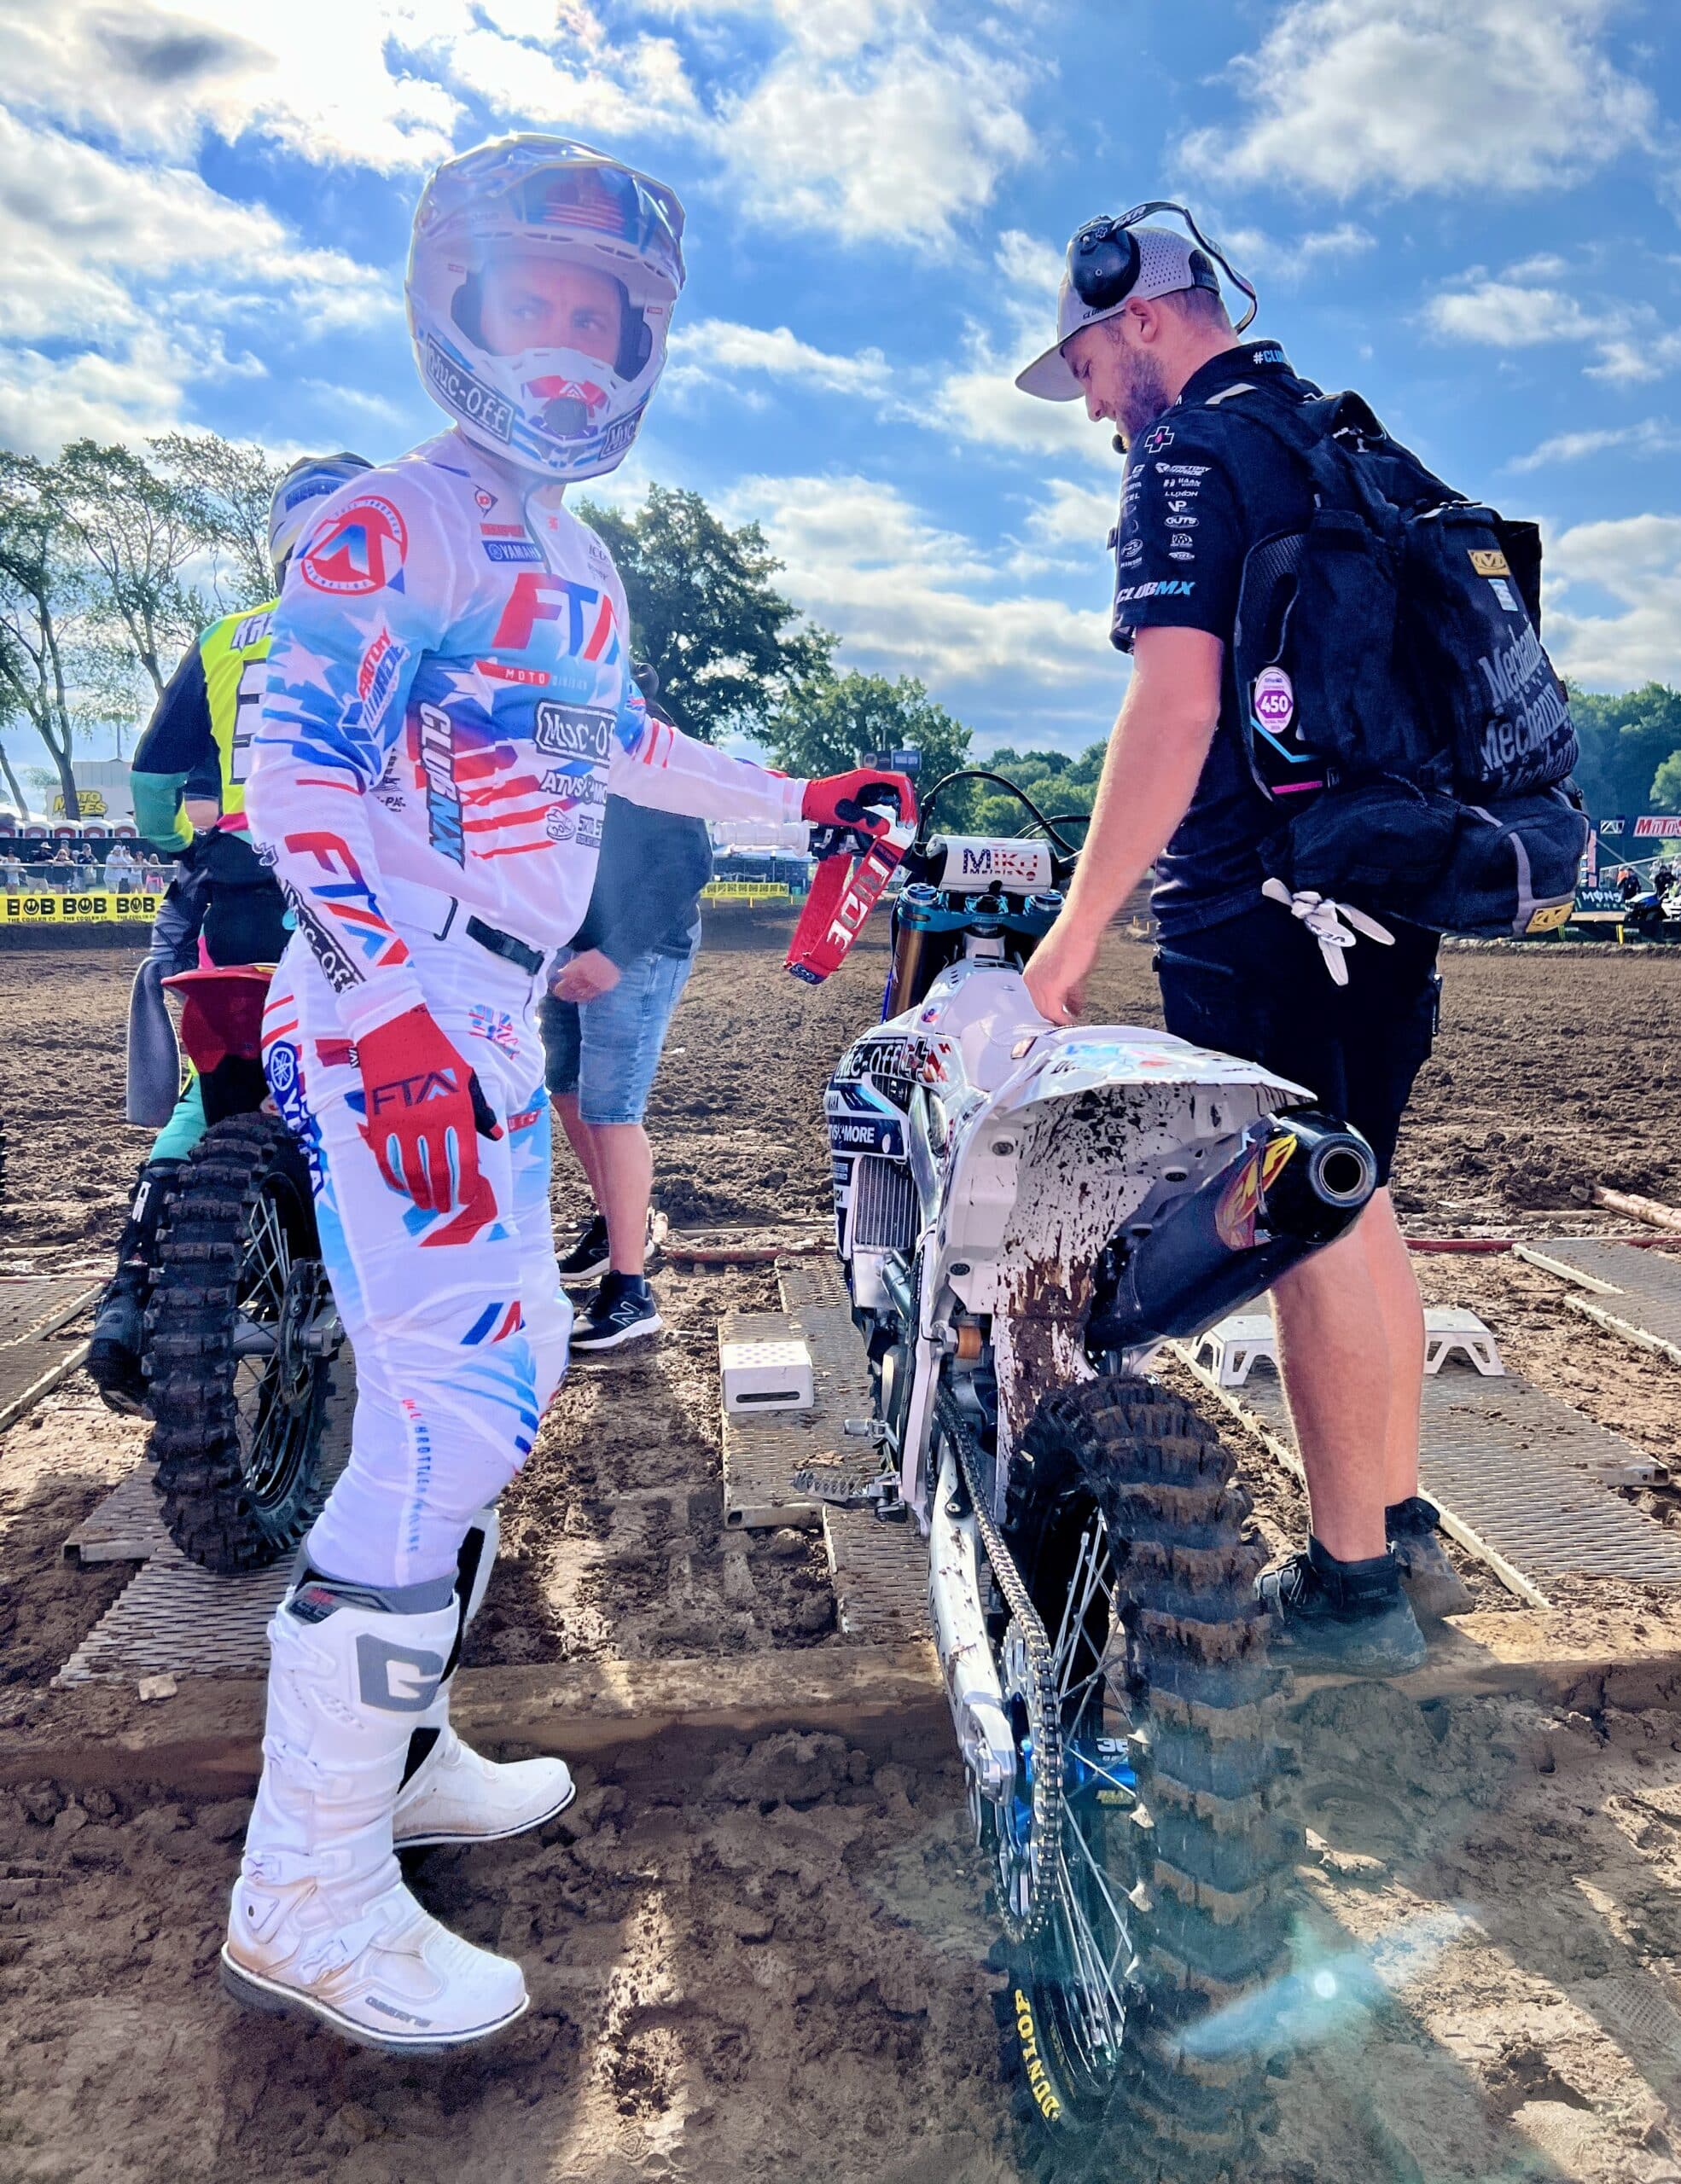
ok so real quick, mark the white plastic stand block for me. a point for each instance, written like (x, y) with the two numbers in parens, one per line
(1447, 1327)
(1232, 1348)
(765, 1373)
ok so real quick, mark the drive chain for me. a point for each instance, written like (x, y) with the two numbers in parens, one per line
(1044, 1708)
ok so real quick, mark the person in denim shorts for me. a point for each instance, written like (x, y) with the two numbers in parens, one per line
(603, 1025)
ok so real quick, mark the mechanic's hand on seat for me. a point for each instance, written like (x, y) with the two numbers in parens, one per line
(834, 800)
(424, 1111)
(1057, 970)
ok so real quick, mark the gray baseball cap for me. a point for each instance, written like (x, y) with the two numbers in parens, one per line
(1165, 266)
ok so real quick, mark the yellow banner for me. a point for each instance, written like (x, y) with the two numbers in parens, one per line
(98, 909)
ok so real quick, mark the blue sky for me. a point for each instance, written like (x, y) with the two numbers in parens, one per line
(1472, 212)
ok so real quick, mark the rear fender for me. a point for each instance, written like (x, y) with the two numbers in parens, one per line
(1090, 1127)
(222, 1013)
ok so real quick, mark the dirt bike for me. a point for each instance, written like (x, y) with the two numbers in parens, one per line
(240, 1328)
(1024, 1213)
(1654, 914)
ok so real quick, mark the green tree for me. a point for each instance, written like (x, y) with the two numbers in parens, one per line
(726, 645)
(1666, 784)
(1060, 784)
(138, 533)
(1627, 739)
(229, 484)
(44, 610)
(828, 722)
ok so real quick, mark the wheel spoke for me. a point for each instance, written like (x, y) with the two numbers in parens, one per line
(1094, 1974)
(1101, 1880)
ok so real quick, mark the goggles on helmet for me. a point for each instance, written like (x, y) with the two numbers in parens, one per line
(298, 496)
(557, 411)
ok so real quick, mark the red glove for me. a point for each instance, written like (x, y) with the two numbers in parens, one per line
(422, 1113)
(834, 800)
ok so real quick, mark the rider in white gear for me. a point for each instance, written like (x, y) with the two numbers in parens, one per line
(448, 703)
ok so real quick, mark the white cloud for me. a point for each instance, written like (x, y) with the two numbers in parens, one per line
(1637, 561)
(1292, 262)
(978, 400)
(1503, 315)
(78, 228)
(885, 140)
(139, 389)
(1420, 95)
(1507, 313)
(144, 266)
(718, 349)
(323, 78)
(1073, 516)
(1651, 436)
(865, 120)
(912, 599)
(1642, 354)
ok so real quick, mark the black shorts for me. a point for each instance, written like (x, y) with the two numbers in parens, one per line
(1257, 986)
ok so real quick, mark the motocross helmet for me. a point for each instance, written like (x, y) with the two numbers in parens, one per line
(299, 495)
(558, 412)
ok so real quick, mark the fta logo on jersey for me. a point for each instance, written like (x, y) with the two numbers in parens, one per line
(361, 550)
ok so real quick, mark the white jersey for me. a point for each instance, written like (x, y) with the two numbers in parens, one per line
(448, 702)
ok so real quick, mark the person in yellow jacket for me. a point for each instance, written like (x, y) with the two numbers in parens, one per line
(187, 778)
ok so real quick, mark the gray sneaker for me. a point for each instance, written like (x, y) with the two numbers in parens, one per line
(1429, 1580)
(1346, 1619)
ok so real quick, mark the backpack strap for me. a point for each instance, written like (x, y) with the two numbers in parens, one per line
(1317, 432)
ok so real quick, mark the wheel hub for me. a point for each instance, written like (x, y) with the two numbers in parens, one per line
(301, 1308)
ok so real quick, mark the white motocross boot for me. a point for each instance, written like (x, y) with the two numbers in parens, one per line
(321, 1925)
(449, 1793)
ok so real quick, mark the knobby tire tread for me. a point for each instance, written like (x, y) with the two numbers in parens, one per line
(1219, 1865)
(190, 1356)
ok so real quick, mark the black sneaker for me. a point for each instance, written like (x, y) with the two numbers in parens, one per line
(1429, 1580)
(587, 1260)
(617, 1314)
(1350, 1618)
(113, 1352)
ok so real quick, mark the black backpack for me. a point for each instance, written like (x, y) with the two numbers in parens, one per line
(1398, 709)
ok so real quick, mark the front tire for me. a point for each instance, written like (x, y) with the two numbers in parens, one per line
(1129, 1532)
(238, 1388)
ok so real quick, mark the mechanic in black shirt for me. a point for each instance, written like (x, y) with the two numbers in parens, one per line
(1156, 354)
(604, 1022)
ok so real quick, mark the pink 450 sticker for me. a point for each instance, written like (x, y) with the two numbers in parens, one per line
(1275, 699)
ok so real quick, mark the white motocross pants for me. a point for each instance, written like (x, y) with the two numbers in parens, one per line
(459, 1334)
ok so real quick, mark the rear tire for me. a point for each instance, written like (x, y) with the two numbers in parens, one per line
(238, 1432)
(1178, 1666)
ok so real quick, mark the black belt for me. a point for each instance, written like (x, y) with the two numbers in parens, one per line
(507, 945)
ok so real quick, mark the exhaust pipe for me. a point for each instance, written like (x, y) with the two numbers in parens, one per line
(1298, 1183)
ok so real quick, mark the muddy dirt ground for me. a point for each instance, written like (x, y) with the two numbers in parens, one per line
(768, 1961)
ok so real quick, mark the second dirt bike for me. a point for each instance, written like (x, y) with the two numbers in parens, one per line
(1024, 1214)
(240, 1328)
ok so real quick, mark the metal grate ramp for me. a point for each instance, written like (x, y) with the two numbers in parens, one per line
(761, 1454)
(33, 1305)
(1519, 1476)
(178, 1620)
(125, 1527)
(878, 1570)
(33, 1309)
(174, 1619)
(1635, 1293)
